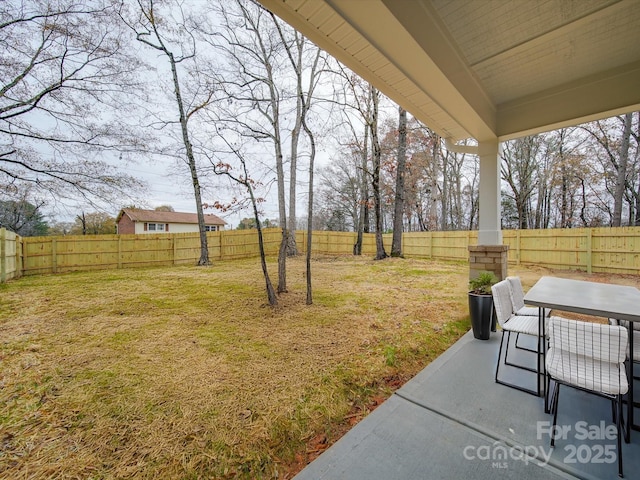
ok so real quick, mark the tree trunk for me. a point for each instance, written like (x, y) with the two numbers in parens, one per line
(637, 189)
(271, 293)
(445, 192)
(363, 217)
(83, 222)
(622, 173)
(142, 37)
(433, 199)
(377, 199)
(310, 207)
(565, 212)
(398, 211)
(292, 248)
(301, 108)
(637, 197)
(277, 141)
(204, 249)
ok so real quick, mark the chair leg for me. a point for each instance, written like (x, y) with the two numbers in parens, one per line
(499, 356)
(618, 401)
(624, 400)
(517, 387)
(547, 386)
(554, 407)
(540, 358)
(506, 349)
(552, 400)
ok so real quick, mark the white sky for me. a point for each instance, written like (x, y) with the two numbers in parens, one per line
(169, 180)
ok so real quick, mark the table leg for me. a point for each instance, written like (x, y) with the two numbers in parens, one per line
(543, 339)
(630, 422)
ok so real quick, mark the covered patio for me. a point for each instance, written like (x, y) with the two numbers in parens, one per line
(453, 421)
(479, 73)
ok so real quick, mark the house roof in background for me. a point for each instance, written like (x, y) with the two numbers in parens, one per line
(138, 215)
(485, 69)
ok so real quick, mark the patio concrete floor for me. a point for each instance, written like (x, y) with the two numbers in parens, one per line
(452, 421)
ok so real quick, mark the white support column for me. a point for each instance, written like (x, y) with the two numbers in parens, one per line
(489, 230)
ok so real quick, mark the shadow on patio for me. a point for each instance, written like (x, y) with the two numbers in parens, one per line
(453, 421)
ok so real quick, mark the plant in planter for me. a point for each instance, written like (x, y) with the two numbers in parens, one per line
(481, 305)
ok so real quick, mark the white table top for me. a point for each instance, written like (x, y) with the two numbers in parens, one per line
(591, 298)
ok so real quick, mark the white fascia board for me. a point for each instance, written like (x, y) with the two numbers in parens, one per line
(463, 104)
(614, 92)
(446, 77)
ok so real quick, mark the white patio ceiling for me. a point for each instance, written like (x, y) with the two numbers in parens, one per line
(485, 69)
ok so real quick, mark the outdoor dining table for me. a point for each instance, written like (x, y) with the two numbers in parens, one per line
(607, 300)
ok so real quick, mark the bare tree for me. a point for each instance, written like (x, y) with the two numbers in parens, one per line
(93, 223)
(312, 157)
(363, 193)
(303, 104)
(621, 178)
(398, 212)
(426, 161)
(633, 183)
(339, 189)
(243, 179)
(363, 98)
(65, 71)
(430, 201)
(612, 143)
(153, 30)
(456, 163)
(518, 167)
(295, 49)
(375, 174)
(254, 54)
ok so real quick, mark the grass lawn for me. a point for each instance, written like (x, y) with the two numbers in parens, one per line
(186, 372)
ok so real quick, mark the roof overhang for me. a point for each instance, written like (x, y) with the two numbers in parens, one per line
(481, 69)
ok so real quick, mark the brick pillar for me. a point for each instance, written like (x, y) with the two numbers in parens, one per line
(490, 258)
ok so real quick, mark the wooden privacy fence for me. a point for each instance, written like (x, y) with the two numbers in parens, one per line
(613, 250)
(89, 252)
(607, 250)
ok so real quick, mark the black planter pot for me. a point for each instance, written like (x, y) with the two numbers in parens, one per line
(481, 312)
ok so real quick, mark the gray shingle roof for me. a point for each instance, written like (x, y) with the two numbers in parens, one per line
(138, 215)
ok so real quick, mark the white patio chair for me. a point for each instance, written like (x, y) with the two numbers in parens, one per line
(517, 299)
(589, 357)
(516, 294)
(511, 323)
(636, 354)
(636, 336)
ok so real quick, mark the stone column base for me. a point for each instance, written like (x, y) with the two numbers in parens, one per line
(488, 258)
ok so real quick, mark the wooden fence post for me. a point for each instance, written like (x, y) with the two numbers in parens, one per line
(3, 255)
(19, 255)
(518, 247)
(430, 245)
(174, 247)
(54, 256)
(119, 251)
(25, 257)
(589, 250)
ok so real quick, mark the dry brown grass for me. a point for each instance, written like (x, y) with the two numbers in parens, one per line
(186, 373)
